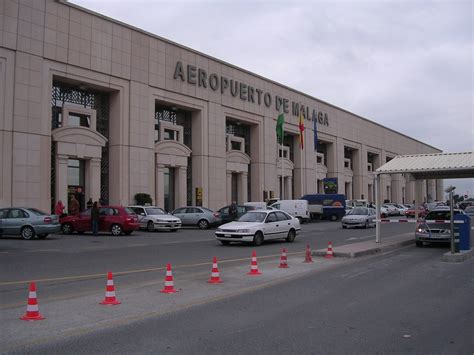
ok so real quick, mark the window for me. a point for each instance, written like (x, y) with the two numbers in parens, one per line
(235, 145)
(272, 217)
(319, 159)
(16, 213)
(3, 213)
(170, 135)
(282, 216)
(76, 119)
(138, 210)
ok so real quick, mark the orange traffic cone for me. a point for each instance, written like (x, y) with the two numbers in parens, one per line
(308, 258)
(329, 253)
(254, 266)
(169, 283)
(283, 260)
(32, 310)
(110, 298)
(215, 279)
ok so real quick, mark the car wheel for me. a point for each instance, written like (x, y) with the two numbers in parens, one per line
(418, 243)
(291, 236)
(116, 230)
(225, 242)
(27, 233)
(66, 228)
(258, 239)
(333, 217)
(150, 226)
(42, 236)
(203, 224)
(367, 224)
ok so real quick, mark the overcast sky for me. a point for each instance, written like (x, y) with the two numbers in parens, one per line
(407, 65)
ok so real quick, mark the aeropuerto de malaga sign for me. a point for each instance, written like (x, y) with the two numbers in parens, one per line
(216, 82)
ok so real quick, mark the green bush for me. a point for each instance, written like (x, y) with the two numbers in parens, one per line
(142, 199)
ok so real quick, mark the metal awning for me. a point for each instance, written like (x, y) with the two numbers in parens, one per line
(431, 166)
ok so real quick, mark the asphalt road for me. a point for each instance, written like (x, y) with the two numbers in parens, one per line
(71, 265)
(404, 301)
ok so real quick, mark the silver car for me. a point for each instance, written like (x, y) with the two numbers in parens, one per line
(197, 216)
(28, 222)
(152, 218)
(359, 217)
(435, 227)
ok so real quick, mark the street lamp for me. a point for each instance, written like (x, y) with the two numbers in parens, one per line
(450, 190)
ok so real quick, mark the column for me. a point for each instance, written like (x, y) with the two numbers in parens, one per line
(160, 186)
(288, 188)
(61, 180)
(94, 179)
(358, 173)
(181, 186)
(440, 190)
(229, 187)
(431, 195)
(419, 195)
(243, 187)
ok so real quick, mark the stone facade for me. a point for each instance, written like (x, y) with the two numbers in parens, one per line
(226, 148)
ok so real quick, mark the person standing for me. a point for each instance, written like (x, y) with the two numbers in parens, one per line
(95, 219)
(233, 211)
(73, 206)
(89, 203)
(59, 208)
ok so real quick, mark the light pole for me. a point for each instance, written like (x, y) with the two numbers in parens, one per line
(451, 212)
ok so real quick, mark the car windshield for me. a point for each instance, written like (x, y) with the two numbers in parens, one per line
(37, 212)
(440, 215)
(358, 211)
(154, 211)
(253, 217)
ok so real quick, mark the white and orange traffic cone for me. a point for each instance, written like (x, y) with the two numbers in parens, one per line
(308, 258)
(254, 266)
(110, 299)
(329, 253)
(32, 309)
(215, 279)
(169, 283)
(283, 260)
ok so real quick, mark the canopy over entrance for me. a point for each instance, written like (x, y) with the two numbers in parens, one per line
(419, 167)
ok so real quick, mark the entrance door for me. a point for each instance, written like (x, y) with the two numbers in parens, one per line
(169, 177)
(235, 187)
(76, 181)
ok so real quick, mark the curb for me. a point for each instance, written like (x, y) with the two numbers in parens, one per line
(368, 251)
(463, 255)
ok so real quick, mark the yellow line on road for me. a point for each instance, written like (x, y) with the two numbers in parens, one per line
(119, 273)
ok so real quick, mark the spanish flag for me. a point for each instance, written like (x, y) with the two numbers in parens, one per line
(301, 127)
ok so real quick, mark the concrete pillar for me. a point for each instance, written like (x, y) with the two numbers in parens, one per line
(61, 180)
(160, 185)
(288, 188)
(431, 195)
(229, 187)
(243, 187)
(94, 179)
(419, 195)
(181, 186)
(440, 190)
(396, 188)
(357, 189)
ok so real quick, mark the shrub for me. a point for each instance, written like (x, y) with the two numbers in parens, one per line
(142, 199)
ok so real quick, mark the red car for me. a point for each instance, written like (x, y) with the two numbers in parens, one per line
(410, 213)
(113, 219)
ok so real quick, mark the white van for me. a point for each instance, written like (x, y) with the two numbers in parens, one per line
(296, 208)
(257, 205)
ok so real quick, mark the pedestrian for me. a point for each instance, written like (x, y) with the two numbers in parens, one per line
(89, 203)
(59, 209)
(233, 211)
(73, 206)
(95, 219)
(101, 201)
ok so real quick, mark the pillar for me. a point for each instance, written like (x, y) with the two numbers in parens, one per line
(61, 180)
(288, 188)
(181, 186)
(159, 185)
(229, 187)
(243, 187)
(94, 179)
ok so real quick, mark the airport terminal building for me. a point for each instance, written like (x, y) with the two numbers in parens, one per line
(99, 109)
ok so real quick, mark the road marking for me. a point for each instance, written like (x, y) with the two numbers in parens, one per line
(139, 245)
(128, 272)
(358, 238)
(41, 250)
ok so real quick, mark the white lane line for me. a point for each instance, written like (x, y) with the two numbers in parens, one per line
(359, 238)
(348, 276)
(41, 250)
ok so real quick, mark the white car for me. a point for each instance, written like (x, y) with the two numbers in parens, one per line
(259, 225)
(359, 217)
(152, 218)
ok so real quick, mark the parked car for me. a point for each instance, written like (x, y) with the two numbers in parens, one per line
(410, 213)
(28, 222)
(241, 210)
(295, 208)
(259, 225)
(391, 209)
(469, 211)
(430, 206)
(439, 228)
(359, 217)
(117, 220)
(197, 216)
(401, 209)
(152, 218)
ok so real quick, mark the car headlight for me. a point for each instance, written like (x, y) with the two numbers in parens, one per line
(421, 230)
(243, 231)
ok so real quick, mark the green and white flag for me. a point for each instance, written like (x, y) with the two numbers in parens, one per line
(279, 127)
